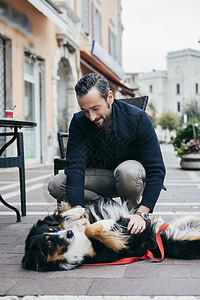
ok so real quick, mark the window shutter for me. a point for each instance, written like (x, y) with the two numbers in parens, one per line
(94, 21)
(85, 16)
(115, 46)
(112, 44)
(110, 41)
(88, 17)
(100, 30)
(83, 13)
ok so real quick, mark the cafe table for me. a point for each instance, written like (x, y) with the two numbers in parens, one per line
(15, 161)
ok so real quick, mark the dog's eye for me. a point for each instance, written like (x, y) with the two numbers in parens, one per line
(49, 243)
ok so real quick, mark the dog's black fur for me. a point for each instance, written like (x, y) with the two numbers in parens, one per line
(55, 243)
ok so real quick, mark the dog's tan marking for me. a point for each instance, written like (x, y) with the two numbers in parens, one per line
(58, 255)
(190, 238)
(62, 225)
(93, 230)
(62, 208)
(51, 229)
(111, 239)
(91, 253)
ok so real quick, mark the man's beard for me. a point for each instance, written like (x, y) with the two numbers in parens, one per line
(105, 119)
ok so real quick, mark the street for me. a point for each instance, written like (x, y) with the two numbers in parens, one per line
(142, 278)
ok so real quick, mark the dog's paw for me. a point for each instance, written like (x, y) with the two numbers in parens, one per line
(107, 224)
(74, 213)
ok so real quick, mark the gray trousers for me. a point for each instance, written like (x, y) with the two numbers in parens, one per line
(126, 181)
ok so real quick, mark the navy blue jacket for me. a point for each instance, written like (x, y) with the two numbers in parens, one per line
(136, 140)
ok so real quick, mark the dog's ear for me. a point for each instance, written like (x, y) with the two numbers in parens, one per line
(34, 259)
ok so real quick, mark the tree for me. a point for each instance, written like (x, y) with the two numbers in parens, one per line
(152, 109)
(192, 111)
(168, 120)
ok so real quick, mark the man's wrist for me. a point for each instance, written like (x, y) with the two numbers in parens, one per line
(143, 215)
(143, 208)
(143, 211)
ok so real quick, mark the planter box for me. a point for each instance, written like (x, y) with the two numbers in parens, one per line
(191, 161)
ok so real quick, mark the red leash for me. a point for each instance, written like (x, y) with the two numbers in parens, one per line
(149, 254)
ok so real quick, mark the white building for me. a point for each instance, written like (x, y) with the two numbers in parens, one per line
(154, 85)
(172, 89)
(183, 84)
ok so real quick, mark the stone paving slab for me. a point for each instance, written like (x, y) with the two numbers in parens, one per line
(54, 297)
(94, 272)
(50, 286)
(150, 286)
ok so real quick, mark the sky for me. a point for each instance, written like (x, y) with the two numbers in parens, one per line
(154, 27)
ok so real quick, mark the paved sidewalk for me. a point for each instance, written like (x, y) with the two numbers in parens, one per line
(100, 298)
(140, 280)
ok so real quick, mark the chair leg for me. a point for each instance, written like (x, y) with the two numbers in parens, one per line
(20, 147)
(12, 207)
(22, 190)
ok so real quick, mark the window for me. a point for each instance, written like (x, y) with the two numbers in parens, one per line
(197, 88)
(178, 106)
(32, 104)
(85, 5)
(112, 42)
(151, 88)
(178, 70)
(97, 24)
(178, 88)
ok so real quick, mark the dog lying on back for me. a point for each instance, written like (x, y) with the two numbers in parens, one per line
(55, 243)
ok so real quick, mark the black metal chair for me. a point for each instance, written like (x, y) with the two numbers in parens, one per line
(59, 163)
(18, 161)
(140, 102)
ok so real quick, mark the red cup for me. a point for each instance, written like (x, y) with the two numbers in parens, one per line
(10, 114)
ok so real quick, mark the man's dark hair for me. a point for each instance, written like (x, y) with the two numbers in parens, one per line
(92, 80)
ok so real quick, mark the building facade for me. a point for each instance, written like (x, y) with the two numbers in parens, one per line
(35, 44)
(101, 42)
(45, 47)
(154, 84)
(173, 89)
(183, 85)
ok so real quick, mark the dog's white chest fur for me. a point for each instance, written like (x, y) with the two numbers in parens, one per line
(80, 247)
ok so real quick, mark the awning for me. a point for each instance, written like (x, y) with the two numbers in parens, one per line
(107, 59)
(93, 64)
(50, 11)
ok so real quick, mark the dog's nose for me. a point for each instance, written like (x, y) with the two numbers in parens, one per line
(69, 234)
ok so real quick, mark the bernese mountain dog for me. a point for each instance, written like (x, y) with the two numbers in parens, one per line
(55, 243)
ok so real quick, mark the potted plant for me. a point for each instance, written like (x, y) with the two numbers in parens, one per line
(187, 145)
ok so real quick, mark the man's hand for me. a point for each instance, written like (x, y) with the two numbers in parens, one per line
(82, 223)
(136, 224)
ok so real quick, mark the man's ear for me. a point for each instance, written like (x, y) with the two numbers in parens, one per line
(110, 97)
